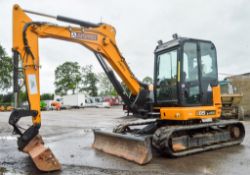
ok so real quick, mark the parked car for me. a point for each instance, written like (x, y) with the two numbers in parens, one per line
(112, 100)
(96, 102)
(100, 103)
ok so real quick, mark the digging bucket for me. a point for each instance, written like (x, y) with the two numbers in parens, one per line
(42, 157)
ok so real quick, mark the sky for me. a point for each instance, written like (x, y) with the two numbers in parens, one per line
(139, 25)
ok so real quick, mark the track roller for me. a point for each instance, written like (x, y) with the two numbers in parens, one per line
(176, 141)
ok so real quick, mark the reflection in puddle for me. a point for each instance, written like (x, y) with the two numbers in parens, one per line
(8, 138)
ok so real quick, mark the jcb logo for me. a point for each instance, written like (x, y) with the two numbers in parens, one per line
(83, 36)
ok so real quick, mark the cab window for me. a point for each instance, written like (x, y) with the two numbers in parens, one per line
(166, 89)
(208, 61)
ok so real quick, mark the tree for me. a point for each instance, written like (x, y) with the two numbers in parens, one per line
(22, 96)
(47, 96)
(89, 81)
(7, 99)
(105, 86)
(147, 80)
(68, 76)
(6, 69)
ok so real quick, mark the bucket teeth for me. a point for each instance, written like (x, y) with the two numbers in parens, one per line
(43, 157)
(136, 149)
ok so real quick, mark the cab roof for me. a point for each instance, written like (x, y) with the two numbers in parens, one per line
(176, 41)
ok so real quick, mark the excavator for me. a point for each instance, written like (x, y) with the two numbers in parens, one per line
(178, 115)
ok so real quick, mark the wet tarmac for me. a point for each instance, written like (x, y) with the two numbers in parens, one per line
(69, 135)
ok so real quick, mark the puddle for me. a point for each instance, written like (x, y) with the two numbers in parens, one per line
(8, 138)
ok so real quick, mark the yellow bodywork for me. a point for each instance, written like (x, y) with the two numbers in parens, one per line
(194, 112)
(99, 39)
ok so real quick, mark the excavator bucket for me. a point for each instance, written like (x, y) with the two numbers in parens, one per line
(42, 157)
(136, 149)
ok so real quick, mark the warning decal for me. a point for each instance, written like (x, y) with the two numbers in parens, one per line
(32, 84)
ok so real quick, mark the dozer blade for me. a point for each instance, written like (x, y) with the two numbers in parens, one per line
(43, 157)
(137, 149)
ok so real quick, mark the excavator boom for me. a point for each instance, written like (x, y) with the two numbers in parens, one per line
(98, 38)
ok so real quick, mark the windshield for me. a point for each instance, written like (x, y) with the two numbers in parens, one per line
(166, 77)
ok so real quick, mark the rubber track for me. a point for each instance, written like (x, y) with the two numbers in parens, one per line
(162, 137)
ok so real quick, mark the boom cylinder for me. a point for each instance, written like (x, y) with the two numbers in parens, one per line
(65, 19)
(76, 21)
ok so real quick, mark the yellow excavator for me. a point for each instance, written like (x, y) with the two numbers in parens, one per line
(181, 112)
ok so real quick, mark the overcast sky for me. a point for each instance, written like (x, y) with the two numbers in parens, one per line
(139, 25)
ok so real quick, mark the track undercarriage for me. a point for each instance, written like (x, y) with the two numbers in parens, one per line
(170, 140)
(176, 141)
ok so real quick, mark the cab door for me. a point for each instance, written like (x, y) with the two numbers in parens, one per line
(190, 87)
(208, 71)
(166, 78)
(198, 73)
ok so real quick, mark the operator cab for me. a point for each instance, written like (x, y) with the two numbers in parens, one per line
(185, 72)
